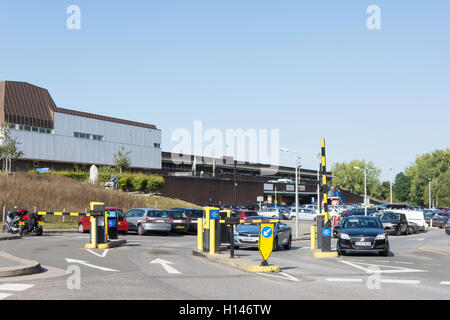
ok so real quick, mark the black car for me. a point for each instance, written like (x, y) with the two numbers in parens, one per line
(362, 233)
(395, 223)
(192, 215)
(179, 221)
(440, 219)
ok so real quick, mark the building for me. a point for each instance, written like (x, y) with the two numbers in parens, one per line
(60, 138)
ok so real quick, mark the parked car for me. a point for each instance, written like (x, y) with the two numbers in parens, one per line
(413, 227)
(247, 235)
(362, 233)
(148, 219)
(179, 221)
(192, 215)
(244, 214)
(84, 225)
(445, 209)
(395, 223)
(440, 219)
(303, 214)
(271, 213)
(447, 230)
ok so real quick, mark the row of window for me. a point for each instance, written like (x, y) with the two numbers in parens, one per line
(30, 128)
(88, 136)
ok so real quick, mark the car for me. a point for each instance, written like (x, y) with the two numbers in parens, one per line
(440, 219)
(362, 233)
(445, 209)
(395, 223)
(447, 230)
(179, 221)
(303, 214)
(413, 227)
(244, 214)
(192, 215)
(142, 220)
(84, 225)
(271, 213)
(247, 235)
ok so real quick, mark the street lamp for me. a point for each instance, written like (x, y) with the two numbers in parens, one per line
(319, 158)
(365, 188)
(297, 157)
(429, 193)
(390, 182)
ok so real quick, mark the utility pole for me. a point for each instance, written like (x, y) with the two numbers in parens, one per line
(429, 193)
(390, 181)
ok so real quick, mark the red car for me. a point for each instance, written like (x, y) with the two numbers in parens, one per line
(244, 214)
(84, 225)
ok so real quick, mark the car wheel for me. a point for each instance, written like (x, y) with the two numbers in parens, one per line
(293, 218)
(289, 244)
(338, 249)
(442, 226)
(141, 230)
(80, 228)
(410, 230)
(386, 252)
(275, 244)
(398, 232)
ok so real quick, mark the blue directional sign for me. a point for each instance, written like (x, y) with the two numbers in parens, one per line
(266, 232)
(40, 170)
(214, 214)
(326, 232)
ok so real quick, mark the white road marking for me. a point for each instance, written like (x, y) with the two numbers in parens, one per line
(166, 266)
(15, 287)
(392, 269)
(400, 281)
(99, 255)
(85, 263)
(403, 262)
(284, 277)
(344, 280)
(4, 295)
(445, 283)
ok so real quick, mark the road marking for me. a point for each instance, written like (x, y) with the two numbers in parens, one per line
(85, 263)
(403, 262)
(97, 254)
(15, 287)
(166, 266)
(445, 283)
(400, 281)
(392, 269)
(343, 280)
(284, 277)
(4, 295)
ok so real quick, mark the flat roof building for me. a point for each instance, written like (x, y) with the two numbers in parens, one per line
(48, 133)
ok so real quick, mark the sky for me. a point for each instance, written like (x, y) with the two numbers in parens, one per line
(311, 69)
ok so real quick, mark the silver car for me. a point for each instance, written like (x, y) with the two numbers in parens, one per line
(247, 235)
(147, 219)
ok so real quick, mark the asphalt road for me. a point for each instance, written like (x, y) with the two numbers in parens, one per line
(163, 267)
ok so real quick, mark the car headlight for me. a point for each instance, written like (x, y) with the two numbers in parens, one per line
(344, 236)
(381, 236)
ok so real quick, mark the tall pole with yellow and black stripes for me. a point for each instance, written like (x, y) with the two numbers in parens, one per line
(325, 233)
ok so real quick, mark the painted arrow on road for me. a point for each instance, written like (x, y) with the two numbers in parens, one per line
(165, 265)
(85, 263)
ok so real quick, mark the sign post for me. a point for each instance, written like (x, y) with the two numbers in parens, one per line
(265, 244)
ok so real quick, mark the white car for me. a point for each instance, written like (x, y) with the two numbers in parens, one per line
(303, 214)
(271, 213)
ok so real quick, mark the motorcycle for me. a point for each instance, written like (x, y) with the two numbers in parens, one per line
(22, 222)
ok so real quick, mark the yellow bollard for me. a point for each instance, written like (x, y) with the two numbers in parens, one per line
(200, 234)
(431, 222)
(313, 237)
(212, 235)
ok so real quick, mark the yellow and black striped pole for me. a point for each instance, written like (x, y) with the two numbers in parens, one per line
(326, 227)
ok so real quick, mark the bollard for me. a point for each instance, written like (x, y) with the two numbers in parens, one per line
(313, 237)
(212, 236)
(199, 234)
(431, 222)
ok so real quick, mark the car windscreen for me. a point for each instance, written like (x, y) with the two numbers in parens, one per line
(251, 214)
(362, 222)
(195, 214)
(390, 216)
(156, 214)
(176, 214)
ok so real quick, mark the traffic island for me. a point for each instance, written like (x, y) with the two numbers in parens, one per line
(107, 245)
(16, 266)
(8, 236)
(243, 264)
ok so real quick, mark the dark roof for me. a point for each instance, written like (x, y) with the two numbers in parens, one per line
(26, 104)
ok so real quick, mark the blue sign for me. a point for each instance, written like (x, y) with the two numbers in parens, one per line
(40, 170)
(326, 232)
(266, 232)
(214, 214)
(112, 223)
(112, 214)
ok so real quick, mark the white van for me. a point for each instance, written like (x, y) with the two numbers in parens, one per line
(413, 216)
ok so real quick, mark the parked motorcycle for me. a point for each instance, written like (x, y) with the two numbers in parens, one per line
(11, 224)
(31, 222)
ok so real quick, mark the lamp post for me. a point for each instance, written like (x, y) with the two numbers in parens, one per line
(390, 182)
(319, 205)
(365, 188)
(429, 193)
(297, 157)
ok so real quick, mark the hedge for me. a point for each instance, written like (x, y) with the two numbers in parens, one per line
(127, 181)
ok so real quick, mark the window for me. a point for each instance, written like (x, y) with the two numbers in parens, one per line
(34, 129)
(88, 136)
(97, 137)
(157, 145)
(27, 128)
(42, 130)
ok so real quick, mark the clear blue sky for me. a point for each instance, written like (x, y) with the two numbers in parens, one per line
(309, 68)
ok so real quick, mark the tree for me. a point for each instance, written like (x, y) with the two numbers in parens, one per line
(347, 177)
(122, 159)
(402, 187)
(9, 150)
(385, 190)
